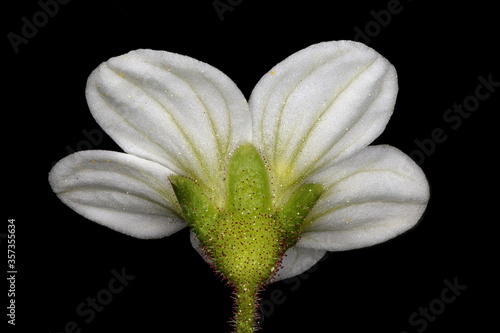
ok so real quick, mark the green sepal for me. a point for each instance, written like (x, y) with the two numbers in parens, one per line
(197, 209)
(247, 245)
(293, 214)
(248, 187)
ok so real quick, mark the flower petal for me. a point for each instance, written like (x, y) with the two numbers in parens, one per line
(120, 191)
(375, 195)
(296, 260)
(170, 109)
(321, 104)
(195, 242)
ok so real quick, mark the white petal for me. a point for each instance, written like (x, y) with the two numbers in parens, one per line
(120, 191)
(375, 195)
(171, 109)
(296, 261)
(195, 242)
(321, 104)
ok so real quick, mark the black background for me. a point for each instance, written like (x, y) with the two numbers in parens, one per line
(62, 259)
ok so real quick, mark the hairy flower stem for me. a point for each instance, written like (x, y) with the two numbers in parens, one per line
(245, 317)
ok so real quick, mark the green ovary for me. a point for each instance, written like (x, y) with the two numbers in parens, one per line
(247, 237)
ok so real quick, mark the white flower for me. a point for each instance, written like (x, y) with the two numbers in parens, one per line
(311, 117)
